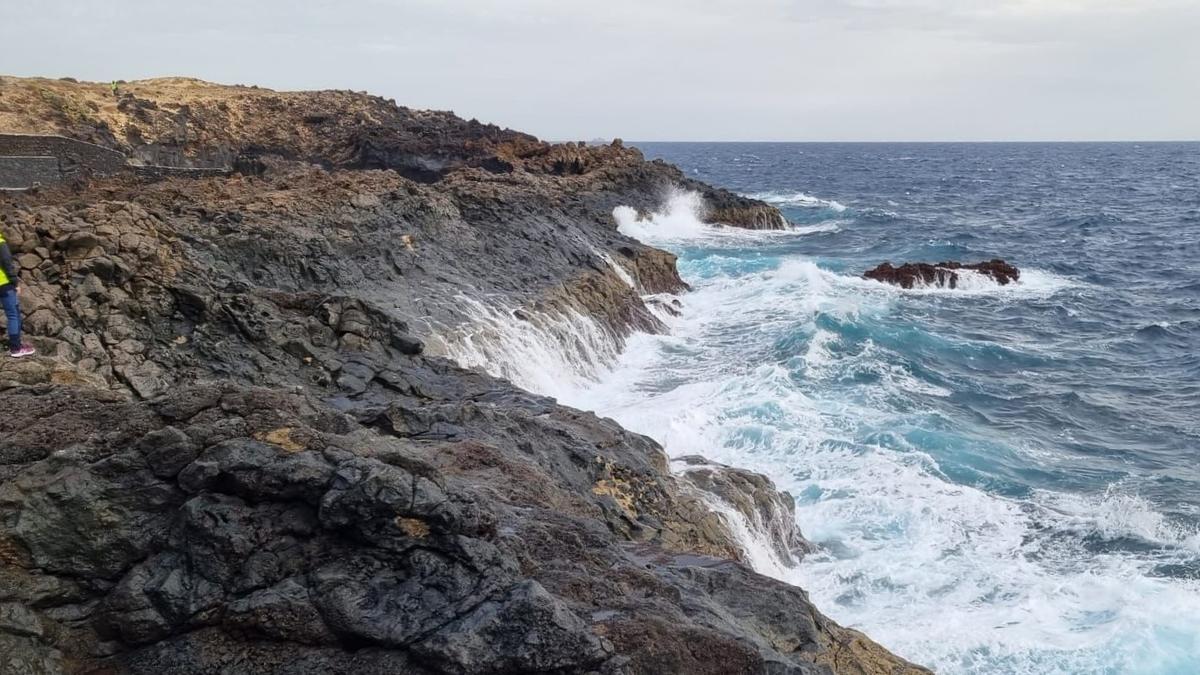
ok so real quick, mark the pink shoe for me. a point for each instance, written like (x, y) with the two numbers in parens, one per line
(24, 350)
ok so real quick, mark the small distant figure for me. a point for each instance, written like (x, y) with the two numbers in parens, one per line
(9, 291)
(114, 88)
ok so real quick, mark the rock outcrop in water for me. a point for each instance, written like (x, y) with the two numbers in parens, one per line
(239, 450)
(943, 274)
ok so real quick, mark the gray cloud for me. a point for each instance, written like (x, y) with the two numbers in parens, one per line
(672, 69)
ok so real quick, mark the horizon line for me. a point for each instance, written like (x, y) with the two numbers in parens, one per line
(944, 142)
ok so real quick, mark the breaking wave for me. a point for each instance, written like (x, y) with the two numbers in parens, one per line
(827, 226)
(679, 219)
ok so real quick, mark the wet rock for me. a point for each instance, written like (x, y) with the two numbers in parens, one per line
(767, 513)
(943, 274)
(406, 344)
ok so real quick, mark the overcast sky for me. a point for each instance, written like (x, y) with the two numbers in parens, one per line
(670, 69)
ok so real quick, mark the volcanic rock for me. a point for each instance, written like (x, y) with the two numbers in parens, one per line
(942, 275)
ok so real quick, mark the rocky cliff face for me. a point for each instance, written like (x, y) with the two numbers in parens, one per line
(240, 450)
(187, 122)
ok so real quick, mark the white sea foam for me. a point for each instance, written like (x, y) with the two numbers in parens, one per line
(620, 271)
(1033, 283)
(1117, 515)
(827, 226)
(797, 199)
(680, 218)
(545, 352)
(752, 538)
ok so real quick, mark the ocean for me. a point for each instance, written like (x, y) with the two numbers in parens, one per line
(1000, 479)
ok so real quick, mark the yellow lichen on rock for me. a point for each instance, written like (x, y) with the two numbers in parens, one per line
(620, 490)
(413, 527)
(855, 654)
(281, 437)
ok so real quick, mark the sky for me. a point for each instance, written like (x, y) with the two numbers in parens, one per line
(703, 70)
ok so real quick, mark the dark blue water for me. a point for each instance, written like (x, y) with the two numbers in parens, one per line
(1002, 479)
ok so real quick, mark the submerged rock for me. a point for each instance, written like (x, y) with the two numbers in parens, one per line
(942, 275)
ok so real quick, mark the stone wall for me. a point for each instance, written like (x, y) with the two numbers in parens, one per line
(73, 156)
(28, 160)
(179, 171)
(23, 172)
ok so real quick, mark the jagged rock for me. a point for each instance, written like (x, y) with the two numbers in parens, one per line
(28, 655)
(942, 274)
(248, 512)
(406, 344)
(767, 512)
(530, 631)
(29, 261)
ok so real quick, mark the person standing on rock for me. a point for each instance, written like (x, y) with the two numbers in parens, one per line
(9, 290)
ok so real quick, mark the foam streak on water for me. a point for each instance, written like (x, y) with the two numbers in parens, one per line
(797, 199)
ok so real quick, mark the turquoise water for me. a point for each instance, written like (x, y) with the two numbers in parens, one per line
(1001, 479)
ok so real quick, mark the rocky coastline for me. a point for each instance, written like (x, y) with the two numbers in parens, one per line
(243, 449)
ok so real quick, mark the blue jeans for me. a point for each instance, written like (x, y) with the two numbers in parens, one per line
(12, 312)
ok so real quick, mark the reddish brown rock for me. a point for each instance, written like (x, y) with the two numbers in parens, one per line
(942, 274)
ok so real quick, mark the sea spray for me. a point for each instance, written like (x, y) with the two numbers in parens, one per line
(760, 518)
(618, 269)
(753, 539)
(547, 352)
(679, 218)
(559, 350)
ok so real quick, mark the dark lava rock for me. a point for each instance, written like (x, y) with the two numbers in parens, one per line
(226, 528)
(942, 274)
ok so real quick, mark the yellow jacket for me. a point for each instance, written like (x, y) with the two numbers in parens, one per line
(8, 270)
